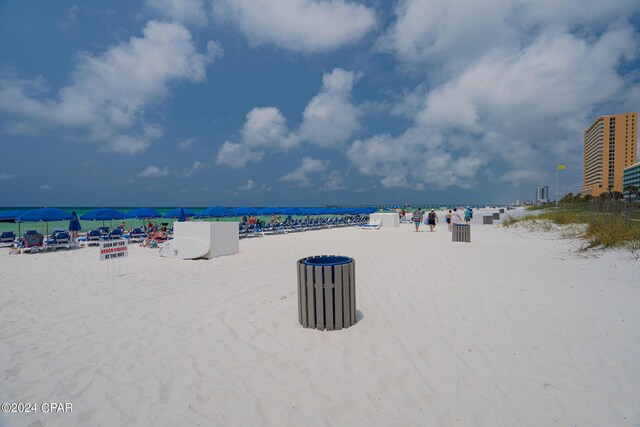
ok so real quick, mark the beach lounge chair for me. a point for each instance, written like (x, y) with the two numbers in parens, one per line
(7, 238)
(115, 234)
(134, 236)
(31, 242)
(60, 238)
(374, 224)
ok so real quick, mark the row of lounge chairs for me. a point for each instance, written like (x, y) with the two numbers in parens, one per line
(34, 241)
(297, 225)
(94, 237)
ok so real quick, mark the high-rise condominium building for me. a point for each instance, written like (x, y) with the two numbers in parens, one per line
(542, 195)
(610, 145)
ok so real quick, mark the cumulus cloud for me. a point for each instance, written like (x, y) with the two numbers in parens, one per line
(153, 171)
(453, 34)
(513, 105)
(298, 25)
(331, 117)
(236, 155)
(186, 143)
(197, 166)
(185, 11)
(250, 185)
(300, 176)
(333, 181)
(110, 91)
(267, 127)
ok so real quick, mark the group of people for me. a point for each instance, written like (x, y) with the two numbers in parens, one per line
(452, 217)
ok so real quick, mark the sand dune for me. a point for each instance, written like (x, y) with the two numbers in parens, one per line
(515, 328)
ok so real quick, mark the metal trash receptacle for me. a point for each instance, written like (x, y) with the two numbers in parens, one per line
(327, 292)
(461, 233)
(487, 219)
(496, 215)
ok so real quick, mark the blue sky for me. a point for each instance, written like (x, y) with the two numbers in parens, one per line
(305, 102)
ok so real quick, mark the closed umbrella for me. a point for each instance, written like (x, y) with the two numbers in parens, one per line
(182, 217)
(44, 215)
(74, 224)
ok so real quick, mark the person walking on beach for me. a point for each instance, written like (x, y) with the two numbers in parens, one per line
(417, 218)
(467, 215)
(448, 218)
(455, 217)
(432, 218)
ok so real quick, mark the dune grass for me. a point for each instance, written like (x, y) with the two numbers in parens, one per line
(600, 229)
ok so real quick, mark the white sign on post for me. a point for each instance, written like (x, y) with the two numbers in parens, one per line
(113, 250)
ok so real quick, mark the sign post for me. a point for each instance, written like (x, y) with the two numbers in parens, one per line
(116, 249)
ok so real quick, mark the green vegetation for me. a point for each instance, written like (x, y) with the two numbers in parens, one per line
(602, 222)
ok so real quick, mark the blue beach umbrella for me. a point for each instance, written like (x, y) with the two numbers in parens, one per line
(291, 211)
(175, 213)
(215, 212)
(245, 210)
(44, 215)
(10, 216)
(182, 217)
(271, 211)
(142, 213)
(74, 224)
(103, 214)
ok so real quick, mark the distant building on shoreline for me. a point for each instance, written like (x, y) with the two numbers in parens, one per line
(542, 195)
(631, 178)
(610, 145)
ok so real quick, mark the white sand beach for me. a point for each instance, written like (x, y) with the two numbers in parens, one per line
(515, 328)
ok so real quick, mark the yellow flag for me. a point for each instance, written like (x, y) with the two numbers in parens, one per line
(560, 167)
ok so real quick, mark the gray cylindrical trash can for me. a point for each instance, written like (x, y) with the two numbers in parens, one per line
(487, 219)
(327, 292)
(461, 233)
(496, 215)
(501, 210)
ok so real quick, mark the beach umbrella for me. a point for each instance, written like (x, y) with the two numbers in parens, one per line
(291, 211)
(215, 212)
(182, 217)
(10, 216)
(175, 213)
(271, 211)
(44, 215)
(142, 213)
(103, 214)
(74, 224)
(245, 210)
